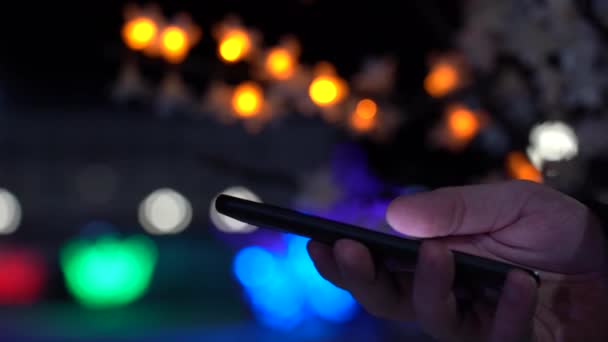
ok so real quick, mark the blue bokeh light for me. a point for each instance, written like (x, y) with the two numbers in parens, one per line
(297, 259)
(285, 289)
(323, 298)
(256, 267)
(331, 303)
(279, 304)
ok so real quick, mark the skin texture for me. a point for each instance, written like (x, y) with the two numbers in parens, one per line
(518, 222)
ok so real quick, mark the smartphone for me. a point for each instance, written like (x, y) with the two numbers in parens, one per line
(471, 272)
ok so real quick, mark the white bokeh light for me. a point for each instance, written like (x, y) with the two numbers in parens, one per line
(165, 211)
(10, 212)
(228, 224)
(552, 141)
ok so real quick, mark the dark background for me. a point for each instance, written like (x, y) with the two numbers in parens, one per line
(57, 64)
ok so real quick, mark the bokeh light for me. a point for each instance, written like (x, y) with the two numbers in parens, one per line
(280, 63)
(108, 272)
(363, 118)
(552, 141)
(443, 78)
(462, 122)
(285, 289)
(270, 292)
(174, 43)
(23, 276)
(234, 45)
(228, 224)
(326, 90)
(256, 267)
(366, 109)
(278, 305)
(10, 212)
(138, 33)
(323, 298)
(247, 99)
(519, 167)
(174, 39)
(165, 211)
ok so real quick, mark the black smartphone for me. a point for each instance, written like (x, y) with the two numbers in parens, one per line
(471, 272)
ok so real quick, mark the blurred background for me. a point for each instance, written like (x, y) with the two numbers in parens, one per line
(120, 122)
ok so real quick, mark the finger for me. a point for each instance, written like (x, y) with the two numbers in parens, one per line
(373, 287)
(323, 258)
(516, 307)
(460, 210)
(434, 302)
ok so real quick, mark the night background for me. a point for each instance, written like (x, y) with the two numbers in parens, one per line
(115, 139)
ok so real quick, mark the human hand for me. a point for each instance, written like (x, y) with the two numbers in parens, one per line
(518, 222)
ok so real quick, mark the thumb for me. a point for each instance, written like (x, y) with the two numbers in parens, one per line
(460, 210)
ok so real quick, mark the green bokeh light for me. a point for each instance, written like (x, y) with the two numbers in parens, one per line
(108, 272)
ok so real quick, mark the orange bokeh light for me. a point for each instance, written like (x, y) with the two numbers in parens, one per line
(234, 45)
(443, 78)
(462, 122)
(360, 124)
(363, 118)
(139, 33)
(327, 90)
(174, 43)
(280, 63)
(520, 167)
(247, 99)
(366, 109)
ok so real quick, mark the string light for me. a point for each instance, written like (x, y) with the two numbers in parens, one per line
(519, 167)
(280, 63)
(146, 30)
(140, 32)
(234, 45)
(165, 211)
(462, 122)
(366, 109)
(174, 42)
(326, 90)
(552, 141)
(142, 27)
(10, 212)
(443, 78)
(247, 99)
(363, 119)
(178, 39)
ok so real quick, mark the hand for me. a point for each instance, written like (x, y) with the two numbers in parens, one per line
(517, 222)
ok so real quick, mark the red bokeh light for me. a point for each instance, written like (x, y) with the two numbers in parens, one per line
(22, 276)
